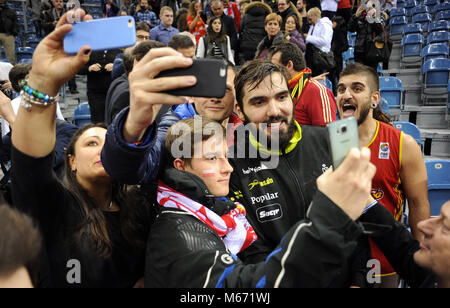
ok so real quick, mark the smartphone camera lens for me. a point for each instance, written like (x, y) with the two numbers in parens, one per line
(343, 129)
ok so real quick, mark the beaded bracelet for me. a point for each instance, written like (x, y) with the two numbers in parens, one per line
(31, 97)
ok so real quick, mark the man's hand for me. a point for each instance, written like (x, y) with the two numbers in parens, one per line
(349, 185)
(147, 93)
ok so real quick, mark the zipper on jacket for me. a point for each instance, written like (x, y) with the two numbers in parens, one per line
(297, 183)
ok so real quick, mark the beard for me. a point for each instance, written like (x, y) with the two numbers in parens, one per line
(364, 113)
(283, 137)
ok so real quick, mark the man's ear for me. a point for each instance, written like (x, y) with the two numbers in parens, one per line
(375, 97)
(290, 65)
(178, 164)
(239, 111)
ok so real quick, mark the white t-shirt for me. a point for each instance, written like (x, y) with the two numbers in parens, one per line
(15, 103)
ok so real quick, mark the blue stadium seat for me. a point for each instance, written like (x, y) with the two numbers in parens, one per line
(424, 19)
(348, 56)
(409, 5)
(443, 15)
(447, 116)
(391, 89)
(24, 53)
(438, 172)
(438, 37)
(419, 10)
(435, 74)
(410, 129)
(411, 52)
(434, 51)
(327, 83)
(397, 24)
(397, 12)
(430, 3)
(412, 28)
(384, 106)
(25, 60)
(439, 25)
(441, 7)
(82, 115)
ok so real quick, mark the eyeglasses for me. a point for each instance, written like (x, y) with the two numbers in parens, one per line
(143, 37)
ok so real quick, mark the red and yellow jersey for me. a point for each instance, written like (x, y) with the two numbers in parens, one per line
(386, 155)
(314, 103)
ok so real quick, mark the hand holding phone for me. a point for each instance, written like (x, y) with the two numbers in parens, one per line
(211, 78)
(147, 93)
(343, 136)
(349, 185)
(101, 34)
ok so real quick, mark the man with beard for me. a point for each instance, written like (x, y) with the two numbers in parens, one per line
(277, 163)
(401, 170)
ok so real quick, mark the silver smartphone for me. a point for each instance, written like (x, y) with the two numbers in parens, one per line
(343, 135)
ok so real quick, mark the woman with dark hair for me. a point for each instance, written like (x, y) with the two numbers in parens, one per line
(94, 229)
(292, 31)
(215, 42)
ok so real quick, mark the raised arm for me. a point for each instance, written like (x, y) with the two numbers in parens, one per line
(34, 129)
(413, 175)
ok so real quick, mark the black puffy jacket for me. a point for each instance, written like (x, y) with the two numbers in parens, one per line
(184, 252)
(252, 27)
(9, 20)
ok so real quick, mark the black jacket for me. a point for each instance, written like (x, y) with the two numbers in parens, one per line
(252, 27)
(398, 245)
(365, 32)
(117, 98)
(101, 80)
(277, 198)
(9, 21)
(182, 251)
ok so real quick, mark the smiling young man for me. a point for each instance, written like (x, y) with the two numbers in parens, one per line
(401, 171)
(197, 234)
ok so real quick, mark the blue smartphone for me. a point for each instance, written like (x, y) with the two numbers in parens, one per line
(101, 34)
(343, 135)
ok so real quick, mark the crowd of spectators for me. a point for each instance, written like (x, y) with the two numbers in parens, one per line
(113, 205)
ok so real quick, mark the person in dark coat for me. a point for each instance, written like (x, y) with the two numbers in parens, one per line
(274, 35)
(252, 29)
(98, 71)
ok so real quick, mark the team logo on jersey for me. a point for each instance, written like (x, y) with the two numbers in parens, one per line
(268, 181)
(377, 194)
(237, 195)
(384, 150)
(269, 212)
(325, 168)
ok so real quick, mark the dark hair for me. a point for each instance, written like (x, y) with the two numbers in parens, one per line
(17, 73)
(356, 68)
(288, 52)
(253, 73)
(142, 26)
(298, 22)
(128, 59)
(213, 36)
(20, 241)
(141, 49)
(181, 41)
(93, 229)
